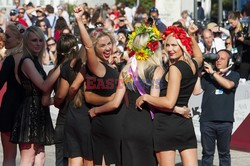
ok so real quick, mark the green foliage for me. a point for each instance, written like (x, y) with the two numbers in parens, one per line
(227, 5)
(71, 9)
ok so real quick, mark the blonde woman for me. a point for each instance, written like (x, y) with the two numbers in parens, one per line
(106, 128)
(13, 95)
(33, 127)
(2, 46)
(140, 76)
(172, 131)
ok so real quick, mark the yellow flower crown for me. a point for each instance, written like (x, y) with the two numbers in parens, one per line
(150, 47)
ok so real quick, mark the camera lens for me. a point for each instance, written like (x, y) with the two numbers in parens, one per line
(150, 20)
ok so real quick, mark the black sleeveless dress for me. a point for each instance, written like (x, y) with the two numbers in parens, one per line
(33, 124)
(137, 141)
(77, 128)
(12, 97)
(171, 130)
(106, 127)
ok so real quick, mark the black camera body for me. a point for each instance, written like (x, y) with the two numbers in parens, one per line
(150, 20)
(210, 58)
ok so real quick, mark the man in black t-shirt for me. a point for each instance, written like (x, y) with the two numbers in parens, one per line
(217, 117)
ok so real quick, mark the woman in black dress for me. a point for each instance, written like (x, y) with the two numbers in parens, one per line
(172, 131)
(12, 97)
(33, 125)
(139, 76)
(106, 129)
(76, 129)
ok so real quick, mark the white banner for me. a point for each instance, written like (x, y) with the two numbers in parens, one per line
(169, 10)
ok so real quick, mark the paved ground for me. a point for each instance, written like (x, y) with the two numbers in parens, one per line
(238, 158)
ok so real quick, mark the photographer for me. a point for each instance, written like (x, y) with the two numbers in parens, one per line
(123, 25)
(240, 43)
(154, 19)
(216, 122)
(209, 43)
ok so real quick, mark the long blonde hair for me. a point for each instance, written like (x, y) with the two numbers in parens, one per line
(38, 32)
(146, 67)
(96, 34)
(19, 48)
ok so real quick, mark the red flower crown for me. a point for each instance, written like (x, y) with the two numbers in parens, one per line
(180, 34)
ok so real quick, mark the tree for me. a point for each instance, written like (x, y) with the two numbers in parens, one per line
(227, 6)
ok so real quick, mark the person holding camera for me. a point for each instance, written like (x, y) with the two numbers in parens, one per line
(154, 19)
(241, 44)
(209, 43)
(123, 25)
(216, 121)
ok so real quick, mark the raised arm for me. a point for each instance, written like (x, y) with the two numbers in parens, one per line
(112, 105)
(31, 72)
(197, 54)
(197, 88)
(222, 81)
(93, 64)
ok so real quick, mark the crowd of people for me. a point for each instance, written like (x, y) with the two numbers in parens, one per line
(121, 81)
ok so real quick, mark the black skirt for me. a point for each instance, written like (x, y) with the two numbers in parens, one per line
(33, 124)
(173, 132)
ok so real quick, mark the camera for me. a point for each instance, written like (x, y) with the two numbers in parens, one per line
(210, 58)
(150, 20)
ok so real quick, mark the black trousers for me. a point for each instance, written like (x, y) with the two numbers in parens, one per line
(212, 132)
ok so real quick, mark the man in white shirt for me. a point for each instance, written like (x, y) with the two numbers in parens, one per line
(209, 43)
(52, 17)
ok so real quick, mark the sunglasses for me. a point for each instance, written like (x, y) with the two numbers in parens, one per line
(21, 12)
(227, 44)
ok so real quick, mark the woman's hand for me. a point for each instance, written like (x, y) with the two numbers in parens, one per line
(140, 101)
(78, 11)
(92, 113)
(192, 29)
(185, 112)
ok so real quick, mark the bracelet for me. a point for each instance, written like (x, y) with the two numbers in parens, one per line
(212, 74)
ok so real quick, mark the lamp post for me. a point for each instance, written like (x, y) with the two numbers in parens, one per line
(195, 12)
(220, 9)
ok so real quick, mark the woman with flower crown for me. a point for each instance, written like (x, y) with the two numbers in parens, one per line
(140, 76)
(172, 131)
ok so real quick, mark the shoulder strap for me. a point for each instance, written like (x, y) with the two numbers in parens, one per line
(195, 64)
(53, 21)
